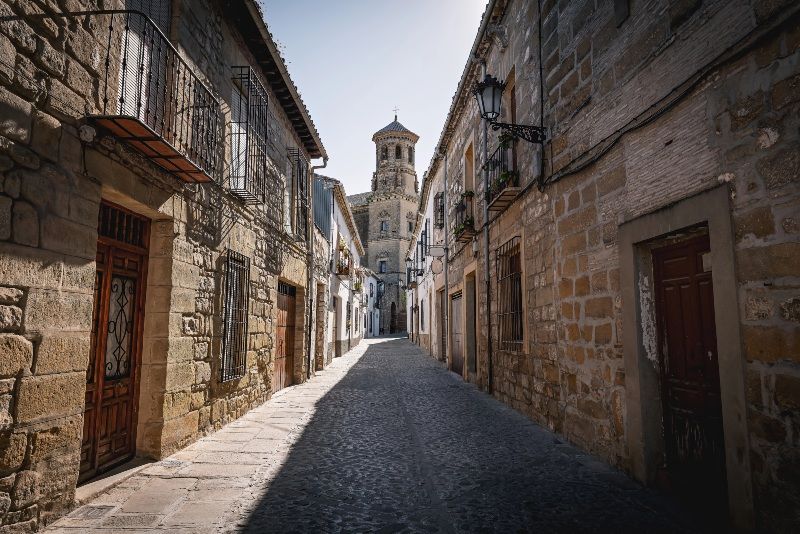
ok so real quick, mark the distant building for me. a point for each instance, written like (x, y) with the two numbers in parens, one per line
(385, 217)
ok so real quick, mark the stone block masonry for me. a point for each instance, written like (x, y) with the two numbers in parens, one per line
(56, 176)
(645, 113)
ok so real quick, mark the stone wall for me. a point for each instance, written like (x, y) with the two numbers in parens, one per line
(51, 185)
(727, 116)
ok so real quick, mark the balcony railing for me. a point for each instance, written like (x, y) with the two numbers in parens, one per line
(152, 99)
(464, 229)
(503, 177)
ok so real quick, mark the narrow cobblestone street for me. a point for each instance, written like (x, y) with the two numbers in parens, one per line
(384, 440)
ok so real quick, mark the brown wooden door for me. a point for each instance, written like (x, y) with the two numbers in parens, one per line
(284, 335)
(694, 443)
(109, 425)
(457, 336)
(442, 327)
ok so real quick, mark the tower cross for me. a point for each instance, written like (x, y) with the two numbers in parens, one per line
(396, 109)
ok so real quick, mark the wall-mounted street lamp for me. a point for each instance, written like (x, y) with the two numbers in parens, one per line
(489, 94)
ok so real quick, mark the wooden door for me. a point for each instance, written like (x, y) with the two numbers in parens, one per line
(472, 327)
(693, 434)
(442, 327)
(109, 423)
(456, 336)
(284, 337)
(337, 348)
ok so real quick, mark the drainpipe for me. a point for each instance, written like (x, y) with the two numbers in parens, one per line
(310, 262)
(486, 264)
(446, 336)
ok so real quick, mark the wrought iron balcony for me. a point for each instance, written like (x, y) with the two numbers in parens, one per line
(152, 100)
(503, 177)
(464, 229)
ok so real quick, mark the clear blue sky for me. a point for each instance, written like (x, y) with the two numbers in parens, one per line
(355, 60)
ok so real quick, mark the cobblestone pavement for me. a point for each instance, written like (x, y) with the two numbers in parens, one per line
(384, 440)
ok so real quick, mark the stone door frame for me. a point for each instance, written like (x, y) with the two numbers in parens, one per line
(644, 413)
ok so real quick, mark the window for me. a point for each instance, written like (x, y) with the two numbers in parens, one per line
(349, 316)
(299, 180)
(384, 153)
(382, 266)
(410, 227)
(288, 197)
(422, 314)
(248, 136)
(509, 291)
(323, 207)
(469, 169)
(370, 289)
(235, 311)
(411, 154)
(384, 226)
(398, 152)
(438, 209)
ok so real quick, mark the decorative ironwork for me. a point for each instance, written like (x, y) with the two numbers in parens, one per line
(300, 165)
(121, 225)
(153, 100)
(249, 130)
(464, 229)
(503, 177)
(532, 134)
(438, 210)
(509, 295)
(120, 327)
(235, 315)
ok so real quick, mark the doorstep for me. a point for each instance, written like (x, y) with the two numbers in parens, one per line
(105, 482)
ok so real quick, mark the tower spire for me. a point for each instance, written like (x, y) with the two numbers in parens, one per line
(396, 109)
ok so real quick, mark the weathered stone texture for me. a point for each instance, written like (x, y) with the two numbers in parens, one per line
(612, 160)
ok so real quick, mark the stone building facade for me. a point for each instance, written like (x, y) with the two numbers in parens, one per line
(641, 264)
(385, 217)
(150, 291)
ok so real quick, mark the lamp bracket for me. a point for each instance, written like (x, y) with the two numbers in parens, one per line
(532, 134)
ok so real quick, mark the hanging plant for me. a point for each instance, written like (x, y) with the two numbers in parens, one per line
(468, 194)
(505, 139)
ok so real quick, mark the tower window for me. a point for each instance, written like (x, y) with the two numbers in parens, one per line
(410, 227)
(382, 266)
(398, 152)
(384, 153)
(384, 226)
(411, 154)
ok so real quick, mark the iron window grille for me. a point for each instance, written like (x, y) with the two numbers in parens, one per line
(235, 315)
(509, 286)
(438, 210)
(301, 193)
(249, 131)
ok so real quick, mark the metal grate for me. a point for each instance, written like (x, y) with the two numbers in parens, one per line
(501, 169)
(249, 130)
(301, 177)
(123, 226)
(509, 287)
(438, 210)
(235, 314)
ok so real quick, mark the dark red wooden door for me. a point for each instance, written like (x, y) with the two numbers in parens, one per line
(456, 335)
(694, 441)
(109, 425)
(284, 337)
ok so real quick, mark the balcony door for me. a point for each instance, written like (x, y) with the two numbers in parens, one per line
(109, 423)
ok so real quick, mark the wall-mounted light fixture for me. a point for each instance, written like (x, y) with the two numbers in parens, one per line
(489, 94)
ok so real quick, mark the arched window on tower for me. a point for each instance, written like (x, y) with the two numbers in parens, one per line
(411, 154)
(398, 152)
(384, 153)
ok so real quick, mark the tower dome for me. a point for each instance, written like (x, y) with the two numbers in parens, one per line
(394, 159)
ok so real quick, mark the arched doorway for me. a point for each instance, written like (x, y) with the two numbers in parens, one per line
(393, 319)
